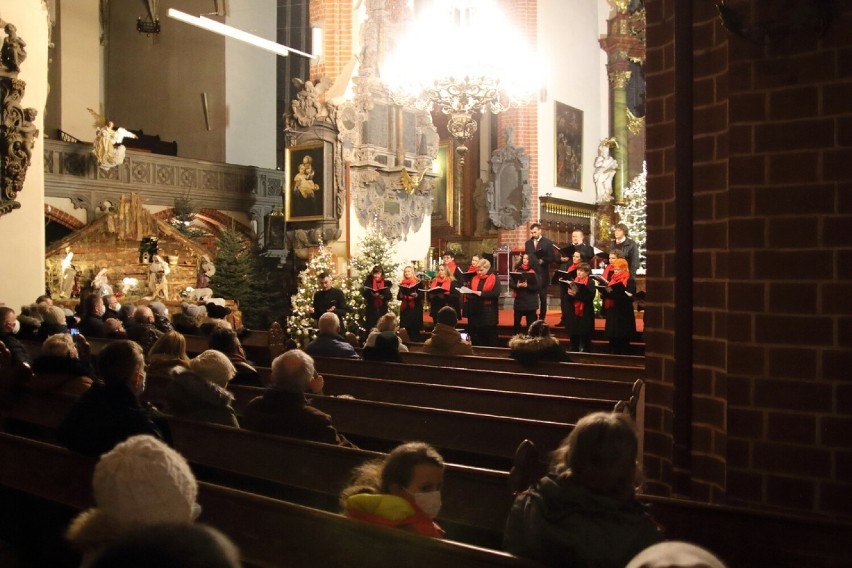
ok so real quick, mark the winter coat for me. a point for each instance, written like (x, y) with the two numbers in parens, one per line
(331, 346)
(561, 523)
(16, 347)
(57, 374)
(529, 350)
(145, 334)
(160, 367)
(105, 416)
(289, 414)
(446, 340)
(92, 326)
(391, 511)
(195, 398)
(29, 328)
(620, 319)
(47, 329)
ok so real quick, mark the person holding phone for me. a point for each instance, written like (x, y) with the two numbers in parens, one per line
(446, 339)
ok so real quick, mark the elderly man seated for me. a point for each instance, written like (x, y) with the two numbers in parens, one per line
(283, 408)
(329, 343)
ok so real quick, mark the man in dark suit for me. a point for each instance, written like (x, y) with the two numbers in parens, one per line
(586, 251)
(540, 248)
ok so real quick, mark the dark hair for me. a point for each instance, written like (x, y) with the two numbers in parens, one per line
(584, 266)
(601, 453)
(624, 228)
(90, 303)
(42, 298)
(539, 328)
(535, 226)
(322, 275)
(397, 468)
(119, 361)
(386, 348)
(377, 268)
(617, 252)
(447, 316)
(224, 340)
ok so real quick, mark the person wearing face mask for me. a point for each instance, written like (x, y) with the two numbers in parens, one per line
(403, 490)
(92, 320)
(9, 327)
(113, 309)
(110, 411)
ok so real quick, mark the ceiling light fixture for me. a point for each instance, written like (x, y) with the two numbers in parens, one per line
(232, 32)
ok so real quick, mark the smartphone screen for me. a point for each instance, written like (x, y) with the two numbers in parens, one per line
(74, 331)
(465, 336)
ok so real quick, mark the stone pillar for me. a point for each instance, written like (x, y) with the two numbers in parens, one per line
(618, 78)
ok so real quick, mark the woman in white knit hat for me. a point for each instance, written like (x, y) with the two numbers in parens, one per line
(140, 482)
(199, 392)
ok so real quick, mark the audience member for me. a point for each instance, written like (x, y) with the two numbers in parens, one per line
(403, 490)
(53, 321)
(170, 545)
(675, 554)
(227, 342)
(328, 298)
(446, 339)
(387, 324)
(537, 345)
(283, 408)
(161, 316)
(14, 376)
(142, 329)
(115, 329)
(110, 412)
(31, 320)
(584, 513)
(329, 343)
(113, 309)
(44, 299)
(140, 482)
(199, 392)
(9, 326)
(188, 321)
(58, 369)
(386, 347)
(167, 353)
(91, 318)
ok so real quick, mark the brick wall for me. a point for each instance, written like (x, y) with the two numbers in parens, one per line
(336, 19)
(772, 314)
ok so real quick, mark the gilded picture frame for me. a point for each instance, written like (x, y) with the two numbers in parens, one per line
(568, 146)
(443, 192)
(308, 176)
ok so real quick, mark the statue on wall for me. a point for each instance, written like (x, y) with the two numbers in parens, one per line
(509, 194)
(107, 146)
(482, 205)
(307, 106)
(158, 282)
(605, 168)
(100, 283)
(206, 270)
(17, 129)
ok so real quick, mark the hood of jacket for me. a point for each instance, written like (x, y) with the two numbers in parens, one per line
(188, 390)
(444, 336)
(52, 371)
(93, 529)
(526, 343)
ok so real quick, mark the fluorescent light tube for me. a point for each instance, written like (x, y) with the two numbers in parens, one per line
(232, 32)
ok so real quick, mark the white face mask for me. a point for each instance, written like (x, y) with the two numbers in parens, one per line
(115, 307)
(429, 502)
(16, 328)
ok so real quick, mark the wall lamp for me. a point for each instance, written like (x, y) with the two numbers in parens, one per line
(232, 32)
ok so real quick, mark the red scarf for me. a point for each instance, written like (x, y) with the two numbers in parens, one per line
(579, 305)
(442, 282)
(378, 284)
(488, 282)
(573, 267)
(408, 301)
(451, 268)
(620, 278)
(607, 273)
(471, 268)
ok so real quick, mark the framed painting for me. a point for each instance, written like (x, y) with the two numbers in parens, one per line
(275, 231)
(442, 192)
(307, 178)
(568, 142)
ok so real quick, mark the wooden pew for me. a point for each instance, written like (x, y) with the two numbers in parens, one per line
(576, 357)
(476, 500)
(269, 532)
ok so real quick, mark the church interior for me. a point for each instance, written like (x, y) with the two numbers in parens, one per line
(143, 147)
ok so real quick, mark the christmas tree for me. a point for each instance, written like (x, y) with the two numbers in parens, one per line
(301, 325)
(632, 213)
(377, 250)
(234, 268)
(265, 302)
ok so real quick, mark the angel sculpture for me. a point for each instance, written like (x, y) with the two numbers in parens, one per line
(107, 146)
(410, 184)
(307, 106)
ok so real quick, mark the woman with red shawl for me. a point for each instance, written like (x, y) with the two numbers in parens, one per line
(618, 301)
(482, 305)
(377, 293)
(581, 317)
(440, 289)
(411, 304)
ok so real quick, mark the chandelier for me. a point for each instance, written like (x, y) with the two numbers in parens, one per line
(463, 57)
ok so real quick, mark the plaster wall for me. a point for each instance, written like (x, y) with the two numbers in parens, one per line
(22, 257)
(575, 74)
(414, 246)
(250, 83)
(81, 80)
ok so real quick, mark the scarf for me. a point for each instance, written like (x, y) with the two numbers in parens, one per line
(620, 278)
(607, 273)
(378, 284)
(487, 281)
(579, 305)
(408, 301)
(442, 282)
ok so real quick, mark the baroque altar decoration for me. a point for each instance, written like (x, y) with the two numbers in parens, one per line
(509, 193)
(17, 129)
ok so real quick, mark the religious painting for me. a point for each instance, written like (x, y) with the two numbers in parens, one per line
(568, 142)
(306, 181)
(442, 192)
(275, 231)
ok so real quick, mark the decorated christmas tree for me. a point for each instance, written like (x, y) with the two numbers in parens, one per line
(301, 325)
(376, 249)
(632, 213)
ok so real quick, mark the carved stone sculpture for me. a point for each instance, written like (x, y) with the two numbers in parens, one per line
(509, 193)
(17, 128)
(605, 168)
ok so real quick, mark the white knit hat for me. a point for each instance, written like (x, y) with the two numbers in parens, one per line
(213, 366)
(142, 480)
